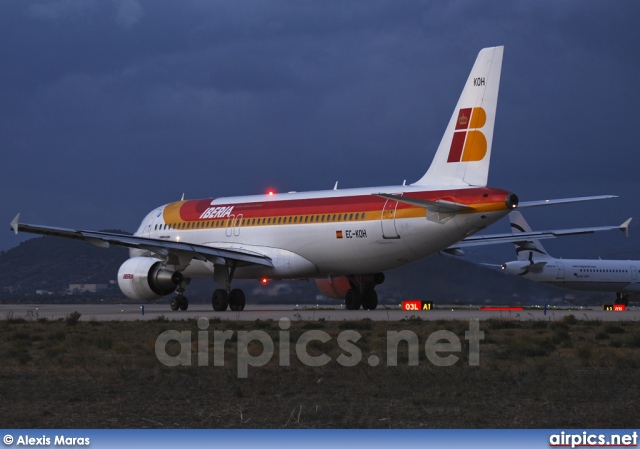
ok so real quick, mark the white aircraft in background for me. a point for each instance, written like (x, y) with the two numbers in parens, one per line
(619, 276)
(344, 239)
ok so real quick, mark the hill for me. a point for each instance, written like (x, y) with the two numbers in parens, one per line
(52, 264)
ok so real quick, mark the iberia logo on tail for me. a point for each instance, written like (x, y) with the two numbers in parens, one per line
(468, 143)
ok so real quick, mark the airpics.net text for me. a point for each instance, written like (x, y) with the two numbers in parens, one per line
(442, 341)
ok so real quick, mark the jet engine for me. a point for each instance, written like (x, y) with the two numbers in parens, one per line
(520, 267)
(145, 278)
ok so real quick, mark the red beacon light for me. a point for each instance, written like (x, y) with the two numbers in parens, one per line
(270, 192)
(264, 281)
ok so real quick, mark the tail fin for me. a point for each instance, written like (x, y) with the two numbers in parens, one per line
(464, 153)
(528, 249)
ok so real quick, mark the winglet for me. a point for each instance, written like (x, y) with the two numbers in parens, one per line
(14, 224)
(624, 227)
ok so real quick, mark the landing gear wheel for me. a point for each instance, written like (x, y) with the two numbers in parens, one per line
(369, 299)
(622, 298)
(220, 300)
(353, 300)
(184, 303)
(175, 304)
(236, 300)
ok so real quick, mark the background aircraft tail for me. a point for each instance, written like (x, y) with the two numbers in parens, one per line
(463, 157)
(527, 249)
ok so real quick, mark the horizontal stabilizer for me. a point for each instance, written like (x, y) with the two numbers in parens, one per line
(441, 206)
(524, 204)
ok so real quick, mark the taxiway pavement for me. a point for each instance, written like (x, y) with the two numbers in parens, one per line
(131, 312)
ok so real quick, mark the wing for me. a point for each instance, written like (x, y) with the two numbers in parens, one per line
(162, 248)
(492, 239)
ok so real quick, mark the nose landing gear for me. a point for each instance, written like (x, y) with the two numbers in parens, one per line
(180, 302)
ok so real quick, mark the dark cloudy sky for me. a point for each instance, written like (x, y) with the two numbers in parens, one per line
(110, 108)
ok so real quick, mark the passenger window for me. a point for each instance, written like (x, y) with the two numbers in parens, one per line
(351, 217)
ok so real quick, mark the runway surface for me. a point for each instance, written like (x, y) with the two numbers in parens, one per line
(130, 312)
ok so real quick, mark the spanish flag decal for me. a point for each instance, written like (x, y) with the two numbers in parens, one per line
(338, 234)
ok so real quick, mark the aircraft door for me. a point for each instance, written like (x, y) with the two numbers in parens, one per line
(233, 225)
(147, 229)
(149, 222)
(236, 226)
(388, 220)
(231, 222)
(634, 273)
(560, 270)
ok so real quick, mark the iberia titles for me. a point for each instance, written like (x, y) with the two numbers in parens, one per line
(217, 212)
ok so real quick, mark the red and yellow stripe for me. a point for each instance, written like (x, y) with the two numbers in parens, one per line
(195, 214)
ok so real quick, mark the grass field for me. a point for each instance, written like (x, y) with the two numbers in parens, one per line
(532, 374)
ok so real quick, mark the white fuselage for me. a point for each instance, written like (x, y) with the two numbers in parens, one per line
(316, 234)
(582, 274)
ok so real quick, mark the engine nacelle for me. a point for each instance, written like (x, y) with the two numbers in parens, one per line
(338, 286)
(334, 287)
(518, 267)
(144, 278)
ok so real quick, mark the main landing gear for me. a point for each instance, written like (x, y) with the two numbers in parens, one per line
(362, 293)
(235, 300)
(223, 298)
(622, 298)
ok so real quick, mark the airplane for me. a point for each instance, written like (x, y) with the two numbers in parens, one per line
(619, 276)
(343, 239)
